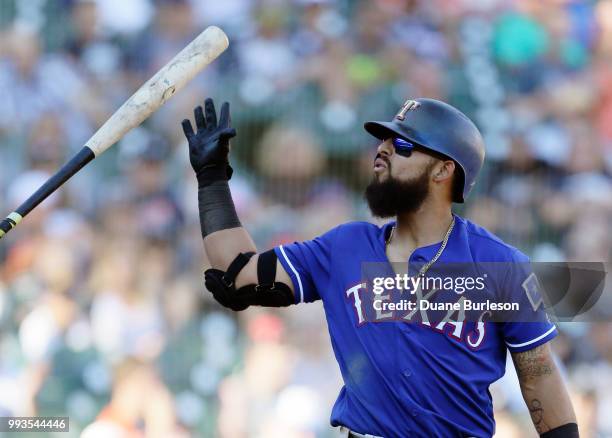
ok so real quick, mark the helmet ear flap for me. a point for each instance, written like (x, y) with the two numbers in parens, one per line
(458, 184)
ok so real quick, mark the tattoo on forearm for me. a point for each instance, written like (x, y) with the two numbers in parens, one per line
(533, 363)
(537, 416)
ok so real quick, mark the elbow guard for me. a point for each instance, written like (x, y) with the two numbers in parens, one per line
(267, 293)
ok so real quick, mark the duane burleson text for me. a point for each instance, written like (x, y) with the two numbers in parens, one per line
(466, 305)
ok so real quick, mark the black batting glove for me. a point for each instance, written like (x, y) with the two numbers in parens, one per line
(209, 146)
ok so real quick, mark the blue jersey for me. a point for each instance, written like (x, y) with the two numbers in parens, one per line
(409, 379)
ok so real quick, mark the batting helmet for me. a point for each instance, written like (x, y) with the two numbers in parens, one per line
(442, 128)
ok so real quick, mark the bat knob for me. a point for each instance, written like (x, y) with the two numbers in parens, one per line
(9, 223)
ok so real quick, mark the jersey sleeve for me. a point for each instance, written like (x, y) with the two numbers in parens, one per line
(530, 327)
(308, 265)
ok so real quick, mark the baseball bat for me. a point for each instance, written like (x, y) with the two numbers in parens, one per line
(150, 96)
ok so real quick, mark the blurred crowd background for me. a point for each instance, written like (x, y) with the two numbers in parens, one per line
(103, 312)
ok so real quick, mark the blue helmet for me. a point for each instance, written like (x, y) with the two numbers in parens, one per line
(442, 128)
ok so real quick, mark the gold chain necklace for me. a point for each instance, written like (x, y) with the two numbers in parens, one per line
(427, 265)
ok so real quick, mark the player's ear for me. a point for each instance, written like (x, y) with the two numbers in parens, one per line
(444, 170)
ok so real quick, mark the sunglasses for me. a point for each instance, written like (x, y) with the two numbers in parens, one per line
(402, 147)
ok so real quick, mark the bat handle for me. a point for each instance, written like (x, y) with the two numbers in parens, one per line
(9, 223)
(76, 163)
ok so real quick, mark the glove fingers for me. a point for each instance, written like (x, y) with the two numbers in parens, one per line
(224, 115)
(199, 118)
(211, 115)
(187, 128)
(224, 137)
(227, 133)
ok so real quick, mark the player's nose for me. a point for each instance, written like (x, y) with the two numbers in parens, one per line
(385, 148)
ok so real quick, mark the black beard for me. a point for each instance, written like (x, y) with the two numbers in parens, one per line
(392, 197)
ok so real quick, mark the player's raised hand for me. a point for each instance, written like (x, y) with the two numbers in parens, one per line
(209, 145)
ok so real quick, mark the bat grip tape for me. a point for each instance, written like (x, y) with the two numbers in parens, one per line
(76, 163)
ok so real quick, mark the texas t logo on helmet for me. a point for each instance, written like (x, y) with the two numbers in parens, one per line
(409, 105)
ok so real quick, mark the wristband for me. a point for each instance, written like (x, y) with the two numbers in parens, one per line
(569, 430)
(217, 211)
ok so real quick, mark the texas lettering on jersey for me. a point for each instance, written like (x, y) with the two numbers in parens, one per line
(456, 319)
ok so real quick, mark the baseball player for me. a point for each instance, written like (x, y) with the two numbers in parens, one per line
(401, 379)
